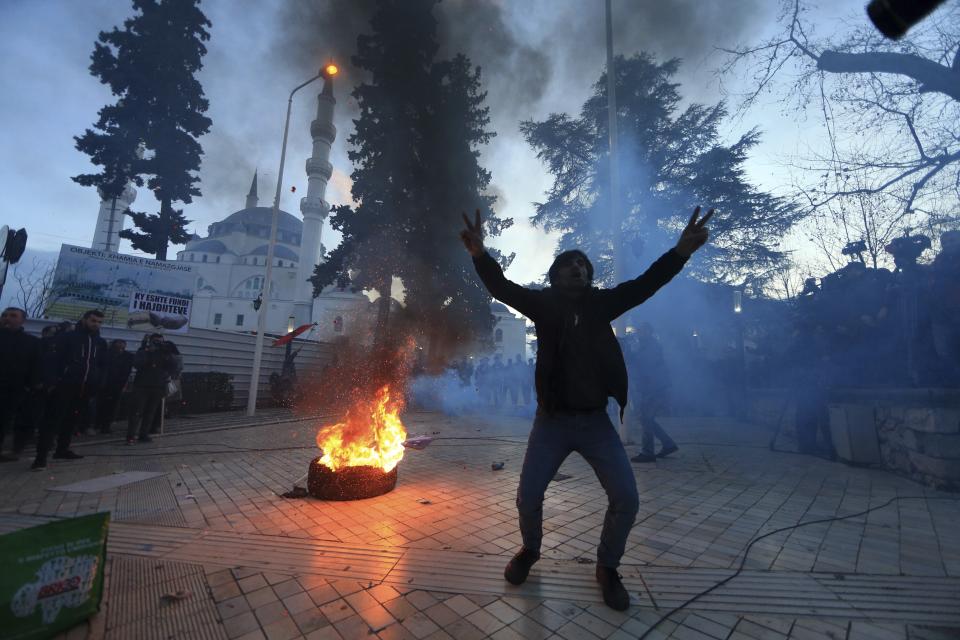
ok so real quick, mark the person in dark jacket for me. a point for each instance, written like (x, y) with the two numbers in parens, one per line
(20, 355)
(154, 364)
(579, 366)
(649, 391)
(171, 397)
(73, 376)
(119, 363)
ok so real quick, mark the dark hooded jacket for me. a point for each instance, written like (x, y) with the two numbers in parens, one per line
(20, 353)
(79, 359)
(575, 341)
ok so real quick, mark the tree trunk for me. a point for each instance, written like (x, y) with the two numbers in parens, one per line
(381, 331)
(163, 234)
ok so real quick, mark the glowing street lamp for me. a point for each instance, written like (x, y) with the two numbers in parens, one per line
(737, 301)
(327, 72)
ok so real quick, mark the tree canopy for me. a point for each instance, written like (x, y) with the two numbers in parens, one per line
(415, 155)
(150, 66)
(670, 160)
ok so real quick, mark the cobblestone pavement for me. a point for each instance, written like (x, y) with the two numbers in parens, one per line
(426, 560)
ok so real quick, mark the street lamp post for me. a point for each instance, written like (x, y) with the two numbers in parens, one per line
(327, 72)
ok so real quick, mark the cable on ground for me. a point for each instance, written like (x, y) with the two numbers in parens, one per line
(746, 551)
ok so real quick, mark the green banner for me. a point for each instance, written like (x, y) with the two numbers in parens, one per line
(52, 576)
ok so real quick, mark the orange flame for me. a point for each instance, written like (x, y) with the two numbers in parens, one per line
(370, 435)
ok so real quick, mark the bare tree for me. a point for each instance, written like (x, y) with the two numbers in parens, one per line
(35, 285)
(891, 112)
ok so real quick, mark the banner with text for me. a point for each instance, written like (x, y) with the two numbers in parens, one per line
(141, 293)
(52, 577)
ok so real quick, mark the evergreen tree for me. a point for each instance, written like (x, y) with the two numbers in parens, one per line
(150, 67)
(669, 161)
(415, 168)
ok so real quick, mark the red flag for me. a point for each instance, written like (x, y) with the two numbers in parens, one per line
(290, 336)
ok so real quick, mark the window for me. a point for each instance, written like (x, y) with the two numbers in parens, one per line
(498, 335)
(217, 319)
(191, 257)
(203, 258)
(217, 260)
(239, 319)
(338, 324)
(279, 263)
(199, 283)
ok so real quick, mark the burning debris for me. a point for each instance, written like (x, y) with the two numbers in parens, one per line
(361, 453)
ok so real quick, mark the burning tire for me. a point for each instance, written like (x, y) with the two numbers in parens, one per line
(349, 483)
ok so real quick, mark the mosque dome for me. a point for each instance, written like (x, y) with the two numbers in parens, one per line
(256, 221)
(207, 246)
(279, 251)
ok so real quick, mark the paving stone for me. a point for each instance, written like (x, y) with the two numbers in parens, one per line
(261, 597)
(322, 595)
(337, 610)
(298, 602)
(251, 583)
(233, 607)
(310, 620)
(241, 624)
(420, 625)
(283, 629)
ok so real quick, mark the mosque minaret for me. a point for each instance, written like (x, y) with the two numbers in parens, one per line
(314, 207)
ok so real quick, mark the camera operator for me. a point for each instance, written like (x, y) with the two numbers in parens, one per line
(172, 392)
(20, 354)
(155, 364)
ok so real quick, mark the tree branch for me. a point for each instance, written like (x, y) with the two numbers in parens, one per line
(931, 76)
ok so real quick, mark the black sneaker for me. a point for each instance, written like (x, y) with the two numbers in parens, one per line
(519, 567)
(614, 593)
(67, 455)
(668, 450)
(38, 465)
(644, 457)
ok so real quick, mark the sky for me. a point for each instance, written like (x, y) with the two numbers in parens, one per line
(538, 57)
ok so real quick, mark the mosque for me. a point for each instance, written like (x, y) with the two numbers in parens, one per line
(231, 260)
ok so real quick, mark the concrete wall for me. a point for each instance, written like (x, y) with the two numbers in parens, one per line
(223, 351)
(911, 432)
(918, 431)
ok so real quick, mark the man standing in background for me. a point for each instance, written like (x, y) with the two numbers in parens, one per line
(19, 355)
(76, 371)
(649, 391)
(119, 363)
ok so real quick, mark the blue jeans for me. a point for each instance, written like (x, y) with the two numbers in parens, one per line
(594, 437)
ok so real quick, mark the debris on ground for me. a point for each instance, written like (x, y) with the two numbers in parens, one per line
(496, 466)
(424, 501)
(417, 442)
(561, 476)
(582, 560)
(296, 492)
(177, 596)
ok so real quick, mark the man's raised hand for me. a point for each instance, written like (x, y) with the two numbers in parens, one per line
(472, 236)
(694, 235)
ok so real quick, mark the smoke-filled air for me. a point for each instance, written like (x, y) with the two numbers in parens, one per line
(633, 284)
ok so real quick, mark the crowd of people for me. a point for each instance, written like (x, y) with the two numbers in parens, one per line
(69, 381)
(500, 386)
